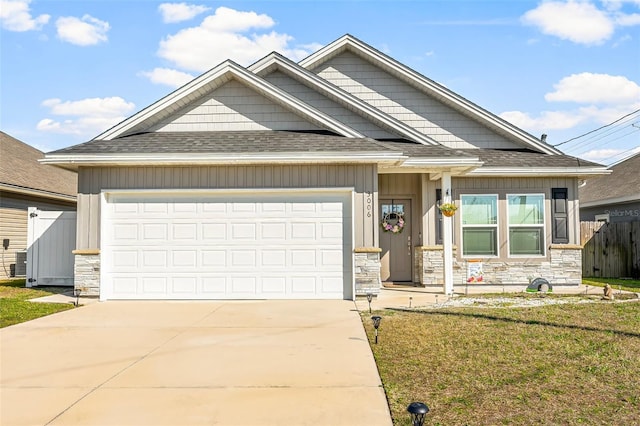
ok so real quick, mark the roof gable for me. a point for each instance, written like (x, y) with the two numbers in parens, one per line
(350, 44)
(162, 110)
(275, 62)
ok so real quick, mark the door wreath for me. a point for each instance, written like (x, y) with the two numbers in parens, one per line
(392, 222)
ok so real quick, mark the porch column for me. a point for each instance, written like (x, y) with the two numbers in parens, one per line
(447, 236)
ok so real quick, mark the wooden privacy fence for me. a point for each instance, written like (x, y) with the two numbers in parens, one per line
(610, 250)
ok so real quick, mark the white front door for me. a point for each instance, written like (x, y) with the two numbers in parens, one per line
(227, 246)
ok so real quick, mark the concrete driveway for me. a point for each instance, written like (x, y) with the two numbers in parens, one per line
(192, 363)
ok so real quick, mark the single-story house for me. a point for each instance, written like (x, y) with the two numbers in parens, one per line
(319, 179)
(24, 183)
(614, 197)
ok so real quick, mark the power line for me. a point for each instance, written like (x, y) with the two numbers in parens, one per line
(599, 128)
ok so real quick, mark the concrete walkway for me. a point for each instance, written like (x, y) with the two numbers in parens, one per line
(192, 363)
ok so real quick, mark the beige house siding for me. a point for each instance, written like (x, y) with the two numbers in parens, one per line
(402, 101)
(233, 106)
(326, 105)
(504, 186)
(363, 178)
(13, 223)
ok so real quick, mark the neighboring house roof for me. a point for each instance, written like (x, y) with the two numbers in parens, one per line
(210, 120)
(621, 186)
(21, 172)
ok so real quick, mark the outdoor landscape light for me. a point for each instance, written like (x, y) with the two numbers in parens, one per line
(369, 299)
(417, 410)
(376, 323)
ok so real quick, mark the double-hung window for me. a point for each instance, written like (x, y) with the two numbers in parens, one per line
(479, 225)
(526, 224)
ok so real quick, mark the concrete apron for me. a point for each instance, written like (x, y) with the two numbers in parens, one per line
(192, 363)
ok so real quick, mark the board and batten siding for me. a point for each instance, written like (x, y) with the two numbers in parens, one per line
(523, 185)
(408, 104)
(14, 222)
(232, 106)
(363, 178)
(328, 106)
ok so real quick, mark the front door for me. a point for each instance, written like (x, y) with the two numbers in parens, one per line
(395, 240)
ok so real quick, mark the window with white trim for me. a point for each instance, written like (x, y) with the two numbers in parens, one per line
(525, 215)
(479, 225)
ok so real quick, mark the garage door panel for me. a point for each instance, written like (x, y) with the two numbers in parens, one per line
(214, 285)
(160, 248)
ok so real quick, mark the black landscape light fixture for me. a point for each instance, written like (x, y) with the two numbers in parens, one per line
(369, 299)
(376, 323)
(417, 410)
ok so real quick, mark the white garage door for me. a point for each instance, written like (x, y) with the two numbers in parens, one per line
(227, 246)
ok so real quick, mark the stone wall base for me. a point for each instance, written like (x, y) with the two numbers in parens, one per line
(86, 268)
(563, 266)
(367, 271)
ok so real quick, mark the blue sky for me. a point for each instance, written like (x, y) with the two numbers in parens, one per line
(71, 69)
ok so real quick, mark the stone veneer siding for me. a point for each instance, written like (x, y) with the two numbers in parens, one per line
(86, 268)
(367, 270)
(562, 267)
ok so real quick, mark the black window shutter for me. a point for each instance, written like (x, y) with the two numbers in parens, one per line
(560, 216)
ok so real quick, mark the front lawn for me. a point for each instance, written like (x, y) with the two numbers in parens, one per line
(16, 308)
(556, 364)
(616, 283)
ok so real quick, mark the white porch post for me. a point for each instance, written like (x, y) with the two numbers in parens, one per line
(447, 236)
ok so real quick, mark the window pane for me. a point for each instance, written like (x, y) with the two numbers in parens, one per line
(479, 209)
(524, 240)
(526, 209)
(479, 241)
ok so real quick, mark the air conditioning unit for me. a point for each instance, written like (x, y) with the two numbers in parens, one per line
(21, 263)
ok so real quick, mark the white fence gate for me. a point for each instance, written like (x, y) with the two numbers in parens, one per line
(51, 238)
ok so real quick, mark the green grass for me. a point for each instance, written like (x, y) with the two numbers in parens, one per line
(16, 308)
(573, 364)
(616, 283)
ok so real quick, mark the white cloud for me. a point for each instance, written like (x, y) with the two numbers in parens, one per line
(227, 34)
(605, 156)
(88, 116)
(16, 16)
(178, 12)
(587, 87)
(547, 120)
(628, 20)
(85, 31)
(577, 21)
(167, 76)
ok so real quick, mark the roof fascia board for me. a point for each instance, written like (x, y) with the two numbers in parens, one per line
(341, 96)
(429, 86)
(245, 158)
(619, 200)
(37, 192)
(539, 171)
(230, 68)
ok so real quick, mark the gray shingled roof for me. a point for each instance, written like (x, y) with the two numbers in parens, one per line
(502, 158)
(20, 168)
(416, 150)
(624, 181)
(232, 142)
(264, 141)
